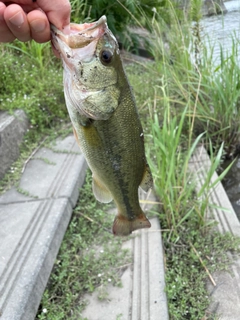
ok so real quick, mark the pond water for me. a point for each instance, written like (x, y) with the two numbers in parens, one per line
(220, 29)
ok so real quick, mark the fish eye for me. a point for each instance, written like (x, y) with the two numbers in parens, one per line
(106, 56)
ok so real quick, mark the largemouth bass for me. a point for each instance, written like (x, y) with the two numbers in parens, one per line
(105, 119)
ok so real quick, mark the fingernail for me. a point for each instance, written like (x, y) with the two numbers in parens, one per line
(38, 25)
(17, 20)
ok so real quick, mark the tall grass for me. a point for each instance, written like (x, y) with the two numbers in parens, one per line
(169, 163)
(195, 102)
(169, 154)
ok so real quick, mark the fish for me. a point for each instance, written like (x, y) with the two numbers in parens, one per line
(105, 120)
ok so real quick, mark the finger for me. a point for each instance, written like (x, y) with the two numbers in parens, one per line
(17, 22)
(5, 34)
(39, 26)
(58, 12)
(26, 5)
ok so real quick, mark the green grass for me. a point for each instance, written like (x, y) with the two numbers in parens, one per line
(186, 274)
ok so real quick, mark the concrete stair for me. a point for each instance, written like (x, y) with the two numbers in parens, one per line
(12, 130)
(225, 296)
(33, 224)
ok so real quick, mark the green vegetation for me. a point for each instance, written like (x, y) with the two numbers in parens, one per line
(187, 99)
(188, 261)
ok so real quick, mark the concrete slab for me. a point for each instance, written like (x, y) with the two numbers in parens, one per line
(33, 225)
(51, 174)
(12, 130)
(142, 294)
(226, 294)
(32, 234)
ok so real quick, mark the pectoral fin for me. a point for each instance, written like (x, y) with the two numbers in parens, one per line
(147, 180)
(100, 192)
(76, 136)
(101, 104)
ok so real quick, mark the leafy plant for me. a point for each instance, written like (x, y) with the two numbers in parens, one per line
(169, 166)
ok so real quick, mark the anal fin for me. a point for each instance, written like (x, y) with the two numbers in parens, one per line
(147, 180)
(100, 192)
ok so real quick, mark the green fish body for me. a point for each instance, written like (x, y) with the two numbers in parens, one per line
(105, 119)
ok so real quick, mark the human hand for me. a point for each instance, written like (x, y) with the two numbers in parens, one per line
(30, 19)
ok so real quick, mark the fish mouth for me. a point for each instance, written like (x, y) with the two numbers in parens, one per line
(80, 35)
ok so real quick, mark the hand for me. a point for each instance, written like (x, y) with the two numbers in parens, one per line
(30, 19)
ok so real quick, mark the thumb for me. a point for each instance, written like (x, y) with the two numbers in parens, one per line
(58, 12)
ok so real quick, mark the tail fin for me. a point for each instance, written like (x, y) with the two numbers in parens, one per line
(122, 226)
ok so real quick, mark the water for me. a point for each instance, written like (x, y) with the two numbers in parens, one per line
(219, 30)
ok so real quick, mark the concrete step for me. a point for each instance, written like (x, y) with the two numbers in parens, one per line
(142, 294)
(12, 130)
(33, 224)
(226, 294)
